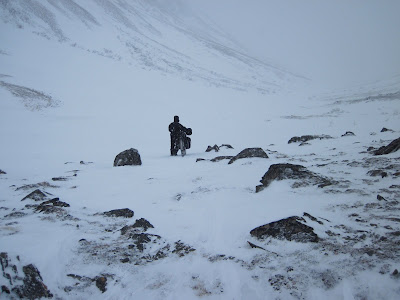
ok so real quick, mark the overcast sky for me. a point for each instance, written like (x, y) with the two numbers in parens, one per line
(338, 42)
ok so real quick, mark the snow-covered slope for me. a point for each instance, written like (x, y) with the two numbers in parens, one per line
(82, 81)
(153, 35)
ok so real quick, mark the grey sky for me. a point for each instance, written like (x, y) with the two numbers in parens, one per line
(339, 43)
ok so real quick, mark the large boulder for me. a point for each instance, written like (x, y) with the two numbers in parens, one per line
(392, 147)
(130, 157)
(248, 153)
(291, 229)
(300, 174)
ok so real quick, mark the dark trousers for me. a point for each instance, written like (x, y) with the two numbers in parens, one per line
(174, 145)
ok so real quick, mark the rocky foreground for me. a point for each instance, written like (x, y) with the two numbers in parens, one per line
(368, 240)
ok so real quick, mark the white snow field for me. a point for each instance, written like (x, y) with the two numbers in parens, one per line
(82, 82)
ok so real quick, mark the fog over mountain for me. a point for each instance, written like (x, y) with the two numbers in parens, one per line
(335, 43)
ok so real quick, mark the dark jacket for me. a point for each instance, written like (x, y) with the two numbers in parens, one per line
(175, 128)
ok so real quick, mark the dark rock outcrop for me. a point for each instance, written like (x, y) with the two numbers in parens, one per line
(385, 130)
(291, 229)
(300, 174)
(392, 147)
(119, 213)
(348, 133)
(36, 195)
(227, 146)
(140, 225)
(215, 148)
(2, 172)
(130, 157)
(249, 153)
(306, 138)
(52, 206)
(29, 286)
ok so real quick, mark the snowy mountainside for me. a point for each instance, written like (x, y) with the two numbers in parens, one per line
(155, 35)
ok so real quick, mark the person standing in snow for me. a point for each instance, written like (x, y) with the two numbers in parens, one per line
(176, 129)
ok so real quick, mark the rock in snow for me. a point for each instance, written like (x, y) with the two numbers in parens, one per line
(299, 173)
(36, 195)
(119, 213)
(291, 229)
(211, 148)
(130, 157)
(306, 138)
(249, 152)
(29, 286)
(392, 147)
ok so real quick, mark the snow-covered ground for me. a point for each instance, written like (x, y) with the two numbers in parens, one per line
(74, 95)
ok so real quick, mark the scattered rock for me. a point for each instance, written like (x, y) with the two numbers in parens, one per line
(392, 147)
(219, 158)
(182, 249)
(2, 172)
(59, 179)
(119, 213)
(36, 195)
(29, 286)
(200, 159)
(249, 153)
(140, 239)
(348, 133)
(291, 229)
(101, 283)
(83, 282)
(227, 146)
(140, 225)
(215, 148)
(43, 184)
(15, 214)
(385, 130)
(375, 173)
(306, 138)
(85, 163)
(130, 157)
(313, 218)
(52, 206)
(299, 173)
(254, 246)
(396, 273)
(380, 198)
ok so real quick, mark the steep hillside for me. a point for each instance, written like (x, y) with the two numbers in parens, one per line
(152, 35)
